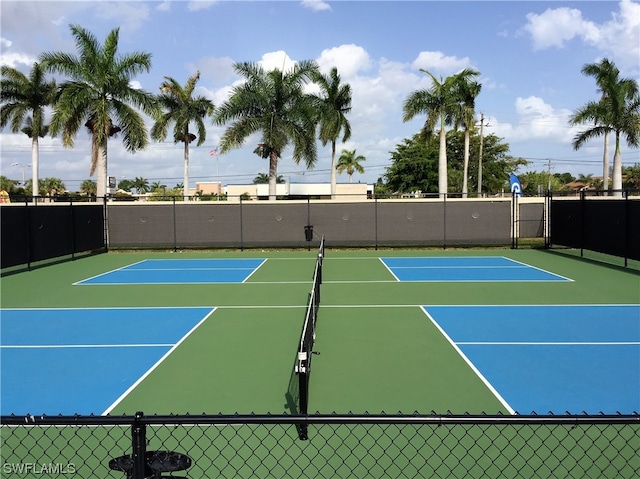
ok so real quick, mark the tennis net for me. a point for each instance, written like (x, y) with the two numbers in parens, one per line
(299, 382)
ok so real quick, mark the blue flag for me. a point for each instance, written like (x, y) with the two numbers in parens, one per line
(516, 187)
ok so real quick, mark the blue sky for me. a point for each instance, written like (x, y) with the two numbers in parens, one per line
(529, 55)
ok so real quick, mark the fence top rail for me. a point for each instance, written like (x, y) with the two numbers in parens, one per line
(235, 419)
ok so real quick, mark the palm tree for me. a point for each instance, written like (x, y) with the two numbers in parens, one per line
(53, 186)
(618, 110)
(100, 95)
(632, 176)
(141, 185)
(263, 178)
(181, 109)
(350, 162)
(21, 96)
(334, 102)
(439, 104)
(274, 104)
(88, 187)
(464, 114)
(603, 72)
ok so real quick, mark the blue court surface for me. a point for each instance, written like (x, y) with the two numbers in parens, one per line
(81, 361)
(551, 358)
(181, 271)
(469, 268)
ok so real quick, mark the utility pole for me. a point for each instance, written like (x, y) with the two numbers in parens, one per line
(480, 156)
(549, 173)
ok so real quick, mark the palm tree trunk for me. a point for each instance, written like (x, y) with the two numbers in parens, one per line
(617, 168)
(465, 186)
(273, 175)
(442, 161)
(185, 181)
(101, 171)
(605, 162)
(34, 167)
(333, 170)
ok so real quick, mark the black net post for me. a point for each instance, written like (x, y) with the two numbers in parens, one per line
(139, 440)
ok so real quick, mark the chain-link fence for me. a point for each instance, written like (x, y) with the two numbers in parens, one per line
(398, 446)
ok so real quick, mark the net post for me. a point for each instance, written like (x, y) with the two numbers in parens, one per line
(303, 432)
(139, 441)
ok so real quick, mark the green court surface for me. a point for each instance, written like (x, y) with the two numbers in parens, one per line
(378, 350)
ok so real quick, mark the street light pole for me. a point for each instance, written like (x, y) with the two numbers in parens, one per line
(20, 165)
(480, 155)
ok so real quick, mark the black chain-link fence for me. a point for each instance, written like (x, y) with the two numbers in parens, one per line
(397, 446)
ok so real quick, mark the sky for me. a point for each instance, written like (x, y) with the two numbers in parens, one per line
(529, 55)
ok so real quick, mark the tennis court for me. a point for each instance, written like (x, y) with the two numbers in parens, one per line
(398, 331)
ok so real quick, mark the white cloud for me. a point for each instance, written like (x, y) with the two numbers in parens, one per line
(164, 6)
(440, 62)
(217, 69)
(536, 120)
(131, 16)
(556, 26)
(14, 60)
(316, 5)
(618, 37)
(197, 5)
(280, 60)
(348, 59)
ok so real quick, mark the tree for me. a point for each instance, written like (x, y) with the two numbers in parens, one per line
(126, 185)
(464, 112)
(100, 95)
(181, 108)
(439, 104)
(334, 102)
(350, 162)
(88, 187)
(415, 163)
(141, 185)
(53, 186)
(274, 104)
(263, 178)
(414, 166)
(602, 72)
(535, 182)
(618, 110)
(7, 184)
(631, 176)
(22, 96)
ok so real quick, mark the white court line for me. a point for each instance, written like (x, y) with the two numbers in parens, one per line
(539, 269)
(465, 267)
(152, 368)
(108, 272)
(188, 269)
(254, 270)
(71, 346)
(551, 343)
(389, 270)
(470, 364)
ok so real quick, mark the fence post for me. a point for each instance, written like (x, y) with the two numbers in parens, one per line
(627, 228)
(514, 219)
(583, 207)
(375, 214)
(546, 219)
(444, 219)
(175, 232)
(139, 441)
(241, 231)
